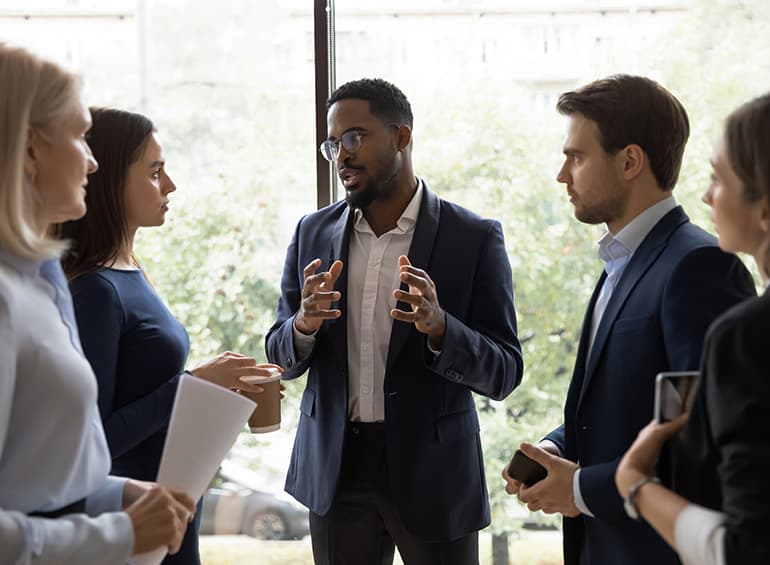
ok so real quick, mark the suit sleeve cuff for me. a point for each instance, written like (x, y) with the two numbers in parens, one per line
(579, 502)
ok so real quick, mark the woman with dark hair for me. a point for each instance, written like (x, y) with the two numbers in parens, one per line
(721, 510)
(135, 345)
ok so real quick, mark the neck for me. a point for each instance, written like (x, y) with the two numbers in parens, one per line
(125, 256)
(761, 259)
(645, 200)
(382, 215)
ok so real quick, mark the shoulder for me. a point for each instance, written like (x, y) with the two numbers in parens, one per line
(327, 215)
(691, 246)
(455, 213)
(8, 289)
(96, 287)
(750, 317)
(688, 238)
(13, 291)
(464, 222)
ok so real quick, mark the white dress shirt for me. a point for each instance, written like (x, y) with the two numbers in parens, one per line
(52, 447)
(616, 251)
(372, 274)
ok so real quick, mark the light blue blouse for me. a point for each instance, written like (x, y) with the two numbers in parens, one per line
(52, 446)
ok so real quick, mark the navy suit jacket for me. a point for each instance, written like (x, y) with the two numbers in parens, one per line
(675, 284)
(432, 439)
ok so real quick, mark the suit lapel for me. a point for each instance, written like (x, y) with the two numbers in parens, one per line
(419, 255)
(643, 258)
(340, 246)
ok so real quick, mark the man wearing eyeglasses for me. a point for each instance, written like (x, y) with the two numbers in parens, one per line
(401, 305)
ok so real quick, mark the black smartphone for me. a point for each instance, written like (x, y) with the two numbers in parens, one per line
(526, 470)
(674, 394)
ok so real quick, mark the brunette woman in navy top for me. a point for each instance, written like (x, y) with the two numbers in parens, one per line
(135, 345)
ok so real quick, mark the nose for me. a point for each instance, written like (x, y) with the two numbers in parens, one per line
(562, 175)
(342, 151)
(92, 165)
(708, 196)
(168, 184)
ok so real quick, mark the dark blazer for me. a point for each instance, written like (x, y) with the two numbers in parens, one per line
(431, 427)
(675, 284)
(724, 451)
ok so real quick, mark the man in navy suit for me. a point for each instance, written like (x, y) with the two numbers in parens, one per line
(401, 305)
(665, 280)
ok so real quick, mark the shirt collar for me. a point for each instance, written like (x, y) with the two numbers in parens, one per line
(26, 267)
(637, 229)
(405, 222)
(623, 244)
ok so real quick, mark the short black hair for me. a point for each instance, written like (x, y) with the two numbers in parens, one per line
(636, 110)
(386, 100)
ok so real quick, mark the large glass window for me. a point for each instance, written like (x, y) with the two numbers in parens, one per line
(230, 86)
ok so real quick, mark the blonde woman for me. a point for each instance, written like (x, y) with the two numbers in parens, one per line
(54, 460)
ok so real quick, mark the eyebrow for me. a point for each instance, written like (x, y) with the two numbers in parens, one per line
(356, 128)
(569, 151)
(157, 164)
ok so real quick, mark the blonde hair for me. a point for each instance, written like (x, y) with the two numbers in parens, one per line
(36, 94)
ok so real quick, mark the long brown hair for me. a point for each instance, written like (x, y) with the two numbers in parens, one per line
(117, 139)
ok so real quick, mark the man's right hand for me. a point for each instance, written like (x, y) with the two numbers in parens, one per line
(512, 486)
(160, 517)
(317, 297)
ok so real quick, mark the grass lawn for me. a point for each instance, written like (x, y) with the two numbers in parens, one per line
(535, 548)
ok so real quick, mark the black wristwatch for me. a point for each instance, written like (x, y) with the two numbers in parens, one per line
(630, 502)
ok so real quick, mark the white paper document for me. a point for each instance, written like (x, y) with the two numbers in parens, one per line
(205, 422)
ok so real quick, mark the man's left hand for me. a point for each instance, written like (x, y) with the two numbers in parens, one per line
(426, 315)
(554, 493)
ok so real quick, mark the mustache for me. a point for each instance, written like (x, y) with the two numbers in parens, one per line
(348, 165)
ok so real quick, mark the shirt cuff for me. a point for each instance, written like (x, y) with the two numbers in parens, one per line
(699, 534)
(550, 446)
(109, 497)
(579, 502)
(303, 343)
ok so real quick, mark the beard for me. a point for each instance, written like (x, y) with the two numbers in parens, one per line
(375, 189)
(603, 212)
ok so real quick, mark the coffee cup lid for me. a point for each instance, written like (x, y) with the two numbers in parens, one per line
(256, 379)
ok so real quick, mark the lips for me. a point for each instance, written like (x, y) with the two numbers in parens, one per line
(350, 177)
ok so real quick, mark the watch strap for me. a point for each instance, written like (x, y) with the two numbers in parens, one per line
(630, 502)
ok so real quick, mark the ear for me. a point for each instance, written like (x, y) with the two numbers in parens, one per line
(764, 215)
(404, 137)
(631, 161)
(31, 153)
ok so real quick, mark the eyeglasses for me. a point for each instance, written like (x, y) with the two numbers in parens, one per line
(350, 141)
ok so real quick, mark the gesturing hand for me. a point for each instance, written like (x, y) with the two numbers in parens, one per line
(317, 297)
(426, 315)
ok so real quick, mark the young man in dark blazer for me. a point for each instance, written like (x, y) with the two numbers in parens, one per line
(401, 305)
(665, 280)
